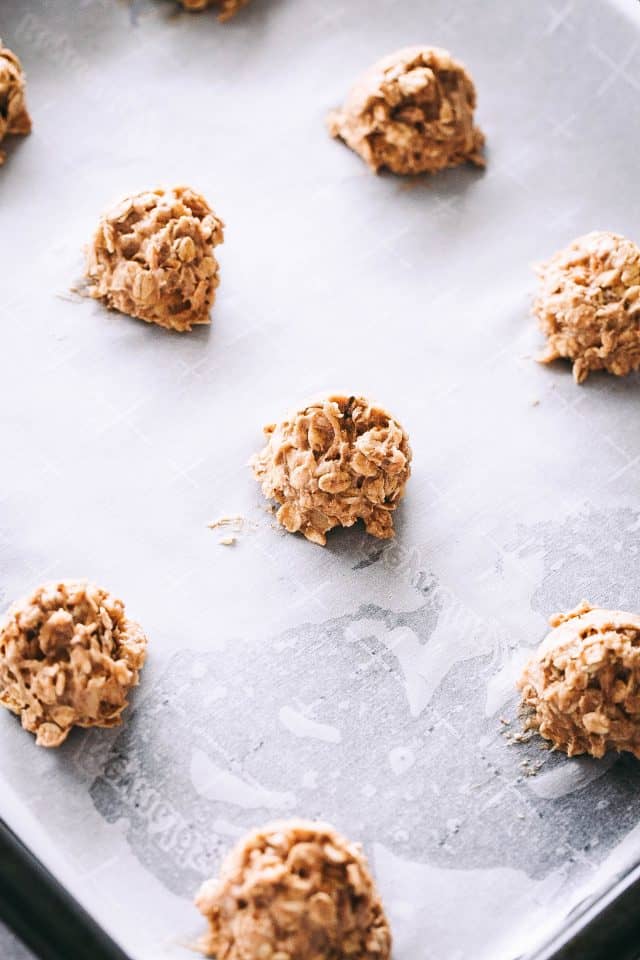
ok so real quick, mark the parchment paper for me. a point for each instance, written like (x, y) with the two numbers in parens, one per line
(363, 683)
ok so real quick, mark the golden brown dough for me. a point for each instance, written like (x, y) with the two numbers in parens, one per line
(68, 657)
(228, 8)
(582, 687)
(294, 890)
(14, 116)
(412, 112)
(588, 305)
(337, 461)
(152, 257)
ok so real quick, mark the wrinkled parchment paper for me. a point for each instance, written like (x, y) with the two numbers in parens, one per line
(363, 683)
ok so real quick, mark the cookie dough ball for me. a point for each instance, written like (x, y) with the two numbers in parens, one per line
(588, 305)
(228, 8)
(153, 257)
(68, 657)
(582, 687)
(14, 116)
(337, 461)
(294, 890)
(412, 112)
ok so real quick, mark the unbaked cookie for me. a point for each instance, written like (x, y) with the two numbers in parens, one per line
(152, 257)
(336, 461)
(412, 112)
(294, 890)
(588, 305)
(68, 657)
(14, 116)
(581, 689)
(228, 8)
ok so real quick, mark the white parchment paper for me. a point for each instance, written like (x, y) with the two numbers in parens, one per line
(363, 683)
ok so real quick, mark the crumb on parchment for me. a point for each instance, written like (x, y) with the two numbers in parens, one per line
(235, 521)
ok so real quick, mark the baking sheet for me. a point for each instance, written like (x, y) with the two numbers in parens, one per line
(363, 683)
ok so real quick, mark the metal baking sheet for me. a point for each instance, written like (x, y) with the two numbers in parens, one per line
(363, 683)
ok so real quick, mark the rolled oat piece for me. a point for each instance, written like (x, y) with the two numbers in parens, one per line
(152, 257)
(412, 112)
(336, 461)
(68, 657)
(581, 689)
(228, 8)
(14, 116)
(588, 305)
(294, 890)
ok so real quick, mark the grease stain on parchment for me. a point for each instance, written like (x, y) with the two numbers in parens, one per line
(185, 762)
(215, 783)
(590, 554)
(300, 724)
(424, 900)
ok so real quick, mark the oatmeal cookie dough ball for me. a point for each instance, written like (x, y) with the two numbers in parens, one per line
(294, 890)
(228, 8)
(581, 690)
(68, 657)
(412, 112)
(14, 116)
(337, 461)
(152, 257)
(588, 305)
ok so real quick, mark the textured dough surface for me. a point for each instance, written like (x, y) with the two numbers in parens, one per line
(68, 657)
(228, 8)
(294, 890)
(14, 116)
(152, 257)
(412, 112)
(582, 687)
(337, 461)
(588, 305)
